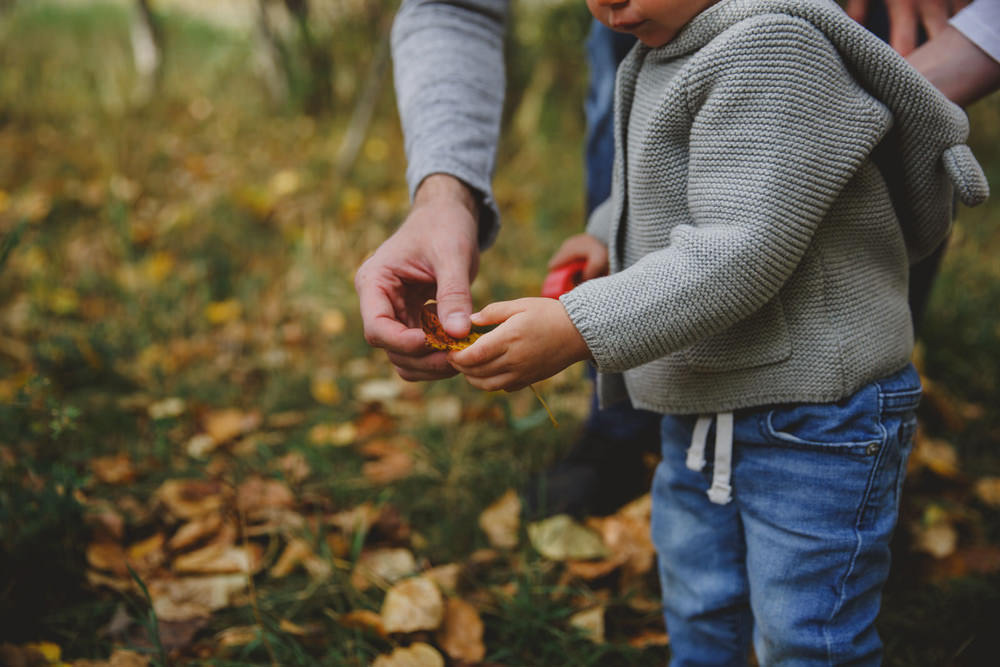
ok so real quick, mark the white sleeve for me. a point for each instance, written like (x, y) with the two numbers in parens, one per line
(980, 23)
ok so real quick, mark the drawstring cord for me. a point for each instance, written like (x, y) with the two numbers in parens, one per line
(720, 492)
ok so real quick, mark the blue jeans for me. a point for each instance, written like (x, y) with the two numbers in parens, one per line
(797, 560)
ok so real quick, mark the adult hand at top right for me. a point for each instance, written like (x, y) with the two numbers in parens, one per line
(906, 17)
(433, 254)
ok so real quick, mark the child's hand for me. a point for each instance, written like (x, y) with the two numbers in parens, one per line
(535, 339)
(586, 247)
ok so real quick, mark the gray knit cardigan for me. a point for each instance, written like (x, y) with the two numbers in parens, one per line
(788, 168)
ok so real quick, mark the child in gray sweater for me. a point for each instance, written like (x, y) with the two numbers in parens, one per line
(777, 169)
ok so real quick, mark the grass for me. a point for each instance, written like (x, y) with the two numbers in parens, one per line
(197, 247)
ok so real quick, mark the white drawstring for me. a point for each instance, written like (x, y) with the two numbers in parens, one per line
(720, 492)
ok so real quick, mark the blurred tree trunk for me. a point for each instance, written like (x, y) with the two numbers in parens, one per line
(146, 34)
(319, 83)
(311, 83)
(272, 58)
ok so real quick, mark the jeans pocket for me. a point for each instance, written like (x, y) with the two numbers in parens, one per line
(851, 425)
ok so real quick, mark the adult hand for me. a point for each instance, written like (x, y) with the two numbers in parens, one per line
(433, 254)
(907, 16)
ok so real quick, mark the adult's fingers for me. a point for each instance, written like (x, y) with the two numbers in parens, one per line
(432, 366)
(454, 303)
(857, 9)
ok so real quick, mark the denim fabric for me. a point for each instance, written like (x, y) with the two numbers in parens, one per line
(605, 49)
(798, 559)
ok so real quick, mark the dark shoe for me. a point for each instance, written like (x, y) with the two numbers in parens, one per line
(595, 478)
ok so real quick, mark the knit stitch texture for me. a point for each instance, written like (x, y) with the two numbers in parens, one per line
(777, 170)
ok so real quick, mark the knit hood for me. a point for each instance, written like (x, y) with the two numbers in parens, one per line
(927, 161)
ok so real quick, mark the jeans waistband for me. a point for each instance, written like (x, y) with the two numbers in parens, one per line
(900, 392)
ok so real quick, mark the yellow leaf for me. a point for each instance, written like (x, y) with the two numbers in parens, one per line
(332, 322)
(324, 387)
(434, 334)
(220, 312)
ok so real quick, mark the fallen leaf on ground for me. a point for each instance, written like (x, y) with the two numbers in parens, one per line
(195, 530)
(411, 605)
(392, 460)
(415, 655)
(240, 635)
(937, 455)
(363, 619)
(987, 490)
(445, 576)
(461, 632)
(337, 435)
(259, 493)
(591, 623)
(192, 597)
(190, 498)
(323, 387)
(501, 521)
(649, 638)
(561, 538)
(113, 469)
(382, 566)
(298, 552)
(224, 425)
(107, 556)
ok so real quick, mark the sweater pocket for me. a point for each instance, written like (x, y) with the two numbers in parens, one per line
(759, 340)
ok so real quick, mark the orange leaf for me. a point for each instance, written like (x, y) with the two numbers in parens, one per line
(435, 335)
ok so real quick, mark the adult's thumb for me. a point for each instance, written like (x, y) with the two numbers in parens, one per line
(454, 304)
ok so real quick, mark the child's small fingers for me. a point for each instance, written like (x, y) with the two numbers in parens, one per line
(495, 313)
(493, 382)
(484, 350)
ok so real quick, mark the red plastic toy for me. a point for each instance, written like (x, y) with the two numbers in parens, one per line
(563, 278)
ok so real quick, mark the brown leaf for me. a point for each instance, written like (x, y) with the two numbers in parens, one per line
(382, 566)
(937, 455)
(239, 635)
(648, 638)
(190, 498)
(192, 597)
(591, 623)
(414, 655)
(298, 552)
(147, 555)
(113, 469)
(411, 605)
(445, 576)
(195, 530)
(294, 466)
(363, 619)
(434, 334)
(107, 556)
(258, 493)
(224, 425)
(501, 521)
(461, 632)
(393, 460)
(987, 490)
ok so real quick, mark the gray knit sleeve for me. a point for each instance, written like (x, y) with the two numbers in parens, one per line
(449, 78)
(778, 128)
